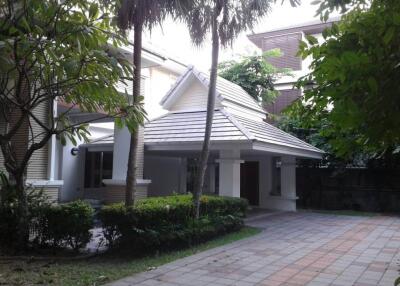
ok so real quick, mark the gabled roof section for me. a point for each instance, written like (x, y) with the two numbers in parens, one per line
(226, 90)
(188, 127)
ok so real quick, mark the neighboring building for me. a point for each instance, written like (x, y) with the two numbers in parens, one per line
(244, 157)
(287, 40)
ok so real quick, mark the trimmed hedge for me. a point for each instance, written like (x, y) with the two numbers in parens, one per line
(65, 225)
(167, 222)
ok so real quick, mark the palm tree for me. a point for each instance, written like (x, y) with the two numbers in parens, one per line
(140, 15)
(225, 19)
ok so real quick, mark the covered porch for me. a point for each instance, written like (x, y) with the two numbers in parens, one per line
(265, 179)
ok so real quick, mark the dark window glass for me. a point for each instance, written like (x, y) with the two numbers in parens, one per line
(98, 166)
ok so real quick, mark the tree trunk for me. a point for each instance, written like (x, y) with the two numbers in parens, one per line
(131, 172)
(198, 188)
(22, 209)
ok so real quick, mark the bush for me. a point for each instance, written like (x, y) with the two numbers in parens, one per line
(66, 225)
(35, 199)
(167, 222)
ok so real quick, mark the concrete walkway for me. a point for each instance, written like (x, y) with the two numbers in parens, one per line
(294, 249)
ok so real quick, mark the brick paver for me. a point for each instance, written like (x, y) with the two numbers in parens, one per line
(293, 249)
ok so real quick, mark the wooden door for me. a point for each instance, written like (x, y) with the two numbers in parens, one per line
(249, 182)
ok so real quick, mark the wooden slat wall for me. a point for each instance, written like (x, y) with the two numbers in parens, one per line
(140, 149)
(283, 100)
(289, 46)
(37, 168)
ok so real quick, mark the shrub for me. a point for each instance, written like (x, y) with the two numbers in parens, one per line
(167, 222)
(66, 225)
(35, 199)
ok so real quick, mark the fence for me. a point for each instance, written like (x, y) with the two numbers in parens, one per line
(353, 189)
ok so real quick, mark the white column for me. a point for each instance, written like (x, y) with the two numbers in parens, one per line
(51, 168)
(229, 173)
(122, 139)
(288, 177)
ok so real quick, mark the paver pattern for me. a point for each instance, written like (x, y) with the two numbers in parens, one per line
(293, 249)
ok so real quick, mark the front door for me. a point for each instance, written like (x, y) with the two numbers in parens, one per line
(249, 182)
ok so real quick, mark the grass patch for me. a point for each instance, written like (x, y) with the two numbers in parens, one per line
(101, 269)
(346, 212)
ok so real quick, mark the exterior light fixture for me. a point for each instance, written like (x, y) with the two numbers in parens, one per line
(74, 151)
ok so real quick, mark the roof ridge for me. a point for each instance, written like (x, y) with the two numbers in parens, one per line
(243, 129)
(176, 84)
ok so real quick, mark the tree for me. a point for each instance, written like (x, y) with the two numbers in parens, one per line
(139, 15)
(255, 75)
(225, 19)
(354, 80)
(55, 51)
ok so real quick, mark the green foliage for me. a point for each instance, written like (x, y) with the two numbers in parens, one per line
(163, 222)
(353, 85)
(255, 75)
(9, 204)
(66, 225)
(65, 51)
(326, 7)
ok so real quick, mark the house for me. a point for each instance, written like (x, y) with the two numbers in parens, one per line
(287, 40)
(56, 168)
(249, 158)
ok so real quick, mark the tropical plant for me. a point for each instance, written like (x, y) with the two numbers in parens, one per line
(255, 75)
(225, 19)
(55, 51)
(140, 15)
(354, 80)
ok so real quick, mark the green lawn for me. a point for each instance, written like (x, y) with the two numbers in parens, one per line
(101, 269)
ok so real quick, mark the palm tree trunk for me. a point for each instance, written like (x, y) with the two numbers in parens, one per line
(198, 188)
(131, 172)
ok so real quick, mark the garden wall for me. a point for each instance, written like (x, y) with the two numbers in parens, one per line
(353, 189)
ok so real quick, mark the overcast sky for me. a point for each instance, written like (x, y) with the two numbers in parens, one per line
(174, 39)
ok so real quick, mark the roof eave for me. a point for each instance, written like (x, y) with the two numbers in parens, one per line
(287, 150)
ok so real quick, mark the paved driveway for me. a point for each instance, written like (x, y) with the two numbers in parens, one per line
(294, 249)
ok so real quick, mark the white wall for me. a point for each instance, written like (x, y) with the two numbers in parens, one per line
(194, 97)
(157, 84)
(70, 172)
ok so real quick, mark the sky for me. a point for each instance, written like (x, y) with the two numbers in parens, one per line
(173, 38)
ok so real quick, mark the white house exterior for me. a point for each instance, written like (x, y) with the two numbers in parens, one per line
(58, 169)
(249, 157)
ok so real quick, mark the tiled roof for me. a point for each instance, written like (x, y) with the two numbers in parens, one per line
(264, 132)
(231, 91)
(189, 127)
(226, 90)
(180, 127)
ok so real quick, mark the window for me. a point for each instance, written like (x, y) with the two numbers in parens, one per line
(98, 166)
